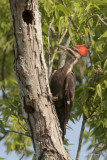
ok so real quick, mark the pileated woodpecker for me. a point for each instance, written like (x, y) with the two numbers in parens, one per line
(63, 82)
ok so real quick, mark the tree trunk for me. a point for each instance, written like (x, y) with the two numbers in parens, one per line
(30, 68)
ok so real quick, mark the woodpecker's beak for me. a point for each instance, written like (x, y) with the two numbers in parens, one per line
(61, 47)
(72, 51)
(65, 49)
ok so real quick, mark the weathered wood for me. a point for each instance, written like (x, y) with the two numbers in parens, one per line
(30, 68)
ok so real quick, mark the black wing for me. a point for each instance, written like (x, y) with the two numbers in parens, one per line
(70, 83)
(63, 90)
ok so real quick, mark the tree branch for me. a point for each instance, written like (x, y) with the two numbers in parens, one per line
(50, 26)
(96, 153)
(89, 36)
(73, 24)
(63, 54)
(55, 51)
(22, 156)
(97, 15)
(81, 137)
(17, 132)
(2, 137)
(75, 27)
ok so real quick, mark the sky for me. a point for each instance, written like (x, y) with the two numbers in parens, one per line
(72, 135)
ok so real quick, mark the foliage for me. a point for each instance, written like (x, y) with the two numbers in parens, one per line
(81, 18)
(85, 22)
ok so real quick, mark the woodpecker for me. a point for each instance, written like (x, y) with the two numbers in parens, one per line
(63, 82)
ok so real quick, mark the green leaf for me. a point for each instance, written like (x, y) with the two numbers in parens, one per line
(73, 117)
(104, 35)
(66, 142)
(89, 6)
(34, 158)
(105, 66)
(47, 5)
(98, 91)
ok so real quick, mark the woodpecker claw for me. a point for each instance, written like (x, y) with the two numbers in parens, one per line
(54, 98)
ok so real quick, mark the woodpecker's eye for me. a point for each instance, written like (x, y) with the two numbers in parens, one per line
(76, 50)
(73, 52)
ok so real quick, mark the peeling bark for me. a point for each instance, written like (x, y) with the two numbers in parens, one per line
(30, 68)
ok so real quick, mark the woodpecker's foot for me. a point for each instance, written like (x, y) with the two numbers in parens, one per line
(54, 98)
(51, 98)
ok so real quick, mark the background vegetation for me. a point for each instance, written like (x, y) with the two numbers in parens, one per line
(81, 22)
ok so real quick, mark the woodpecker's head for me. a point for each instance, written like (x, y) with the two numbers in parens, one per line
(75, 51)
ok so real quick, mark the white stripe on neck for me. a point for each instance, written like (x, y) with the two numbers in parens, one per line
(72, 65)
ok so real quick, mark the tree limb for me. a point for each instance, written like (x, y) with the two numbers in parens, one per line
(55, 51)
(6, 131)
(96, 153)
(22, 156)
(97, 15)
(50, 26)
(63, 54)
(81, 137)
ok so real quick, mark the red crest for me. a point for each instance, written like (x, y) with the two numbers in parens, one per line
(83, 49)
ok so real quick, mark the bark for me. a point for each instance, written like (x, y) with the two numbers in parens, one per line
(30, 68)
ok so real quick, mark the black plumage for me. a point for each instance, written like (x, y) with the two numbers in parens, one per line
(62, 85)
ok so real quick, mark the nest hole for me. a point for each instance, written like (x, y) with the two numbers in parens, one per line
(27, 16)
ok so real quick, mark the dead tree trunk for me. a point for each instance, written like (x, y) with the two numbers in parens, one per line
(30, 68)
